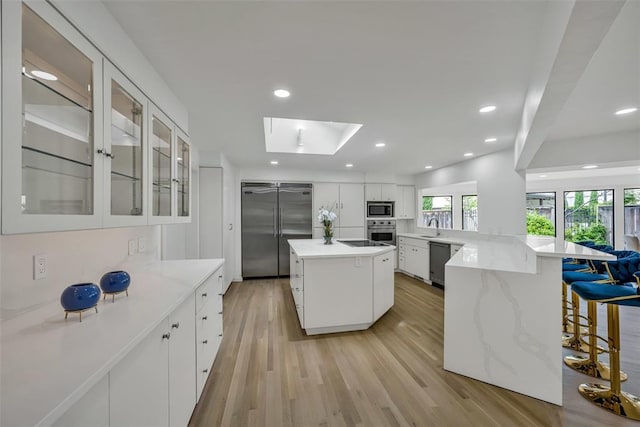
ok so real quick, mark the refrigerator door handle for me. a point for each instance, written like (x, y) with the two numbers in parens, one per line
(281, 215)
(275, 233)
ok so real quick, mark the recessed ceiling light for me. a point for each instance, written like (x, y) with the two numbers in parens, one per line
(589, 166)
(281, 93)
(468, 154)
(487, 109)
(543, 176)
(349, 165)
(492, 139)
(274, 162)
(44, 75)
(179, 159)
(380, 144)
(626, 111)
(428, 167)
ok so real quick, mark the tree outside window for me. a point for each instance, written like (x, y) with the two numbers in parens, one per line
(438, 207)
(588, 215)
(541, 214)
(470, 212)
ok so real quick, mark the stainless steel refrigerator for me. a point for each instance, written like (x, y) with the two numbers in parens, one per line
(272, 214)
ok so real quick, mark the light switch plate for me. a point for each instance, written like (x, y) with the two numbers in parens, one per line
(142, 244)
(133, 246)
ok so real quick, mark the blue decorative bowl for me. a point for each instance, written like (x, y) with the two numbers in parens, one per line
(115, 282)
(80, 296)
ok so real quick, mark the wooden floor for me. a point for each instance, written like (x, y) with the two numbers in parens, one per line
(268, 373)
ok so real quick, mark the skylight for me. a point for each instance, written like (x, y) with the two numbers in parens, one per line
(306, 136)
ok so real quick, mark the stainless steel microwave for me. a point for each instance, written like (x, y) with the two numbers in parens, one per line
(379, 209)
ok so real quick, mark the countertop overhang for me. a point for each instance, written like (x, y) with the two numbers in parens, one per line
(315, 248)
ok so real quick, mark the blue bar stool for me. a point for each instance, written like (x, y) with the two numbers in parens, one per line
(611, 398)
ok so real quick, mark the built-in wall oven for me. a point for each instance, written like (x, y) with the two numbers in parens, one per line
(382, 230)
(379, 209)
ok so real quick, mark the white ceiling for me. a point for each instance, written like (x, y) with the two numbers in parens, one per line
(413, 73)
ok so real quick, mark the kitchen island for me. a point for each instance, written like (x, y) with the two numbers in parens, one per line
(339, 288)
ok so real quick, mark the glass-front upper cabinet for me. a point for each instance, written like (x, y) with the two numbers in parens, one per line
(52, 122)
(124, 150)
(162, 152)
(183, 174)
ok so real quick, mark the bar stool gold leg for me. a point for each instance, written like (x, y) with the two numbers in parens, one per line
(565, 312)
(612, 398)
(591, 365)
(575, 341)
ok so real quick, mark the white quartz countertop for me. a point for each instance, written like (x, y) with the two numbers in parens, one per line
(48, 363)
(315, 248)
(558, 247)
(450, 240)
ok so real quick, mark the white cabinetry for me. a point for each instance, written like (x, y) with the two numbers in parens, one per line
(413, 257)
(406, 202)
(182, 353)
(139, 384)
(91, 410)
(382, 276)
(76, 146)
(380, 192)
(347, 201)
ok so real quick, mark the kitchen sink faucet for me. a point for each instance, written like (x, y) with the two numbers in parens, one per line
(437, 225)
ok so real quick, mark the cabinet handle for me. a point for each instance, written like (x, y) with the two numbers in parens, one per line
(220, 276)
(175, 325)
(110, 155)
(205, 341)
(204, 317)
(297, 289)
(177, 181)
(166, 336)
(204, 371)
(220, 294)
(219, 312)
(204, 294)
(219, 335)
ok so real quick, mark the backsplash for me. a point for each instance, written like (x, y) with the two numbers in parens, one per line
(72, 257)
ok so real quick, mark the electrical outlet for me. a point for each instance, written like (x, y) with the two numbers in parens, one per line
(133, 246)
(358, 261)
(39, 266)
(142, 244)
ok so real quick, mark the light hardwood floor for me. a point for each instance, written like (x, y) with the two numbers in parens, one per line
(268, 373)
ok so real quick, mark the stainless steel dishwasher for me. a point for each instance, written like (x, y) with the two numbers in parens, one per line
(439, 254)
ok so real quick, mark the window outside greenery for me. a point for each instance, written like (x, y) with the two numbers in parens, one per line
(541, 214)
(588, 215)
(632, 211)
(470, 212)
(437, 207)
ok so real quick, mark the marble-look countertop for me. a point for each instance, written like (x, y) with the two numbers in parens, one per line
(558, 247)
(48, 364)
(315, 248)
(450, 240)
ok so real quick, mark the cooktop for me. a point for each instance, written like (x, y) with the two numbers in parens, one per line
(362, 243)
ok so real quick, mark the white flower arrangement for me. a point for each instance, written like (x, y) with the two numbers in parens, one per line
(326, 217)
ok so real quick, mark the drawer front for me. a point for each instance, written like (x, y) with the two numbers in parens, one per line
(418, 243)
(204, 293)
(402, 239)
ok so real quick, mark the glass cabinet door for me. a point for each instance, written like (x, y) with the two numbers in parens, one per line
(161, 161)
(124, 150)
(52, 122)
(183, 170)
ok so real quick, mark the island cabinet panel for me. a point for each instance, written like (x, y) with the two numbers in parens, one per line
(91, 410)
(382, 284)
(337, 283)
(139, 385)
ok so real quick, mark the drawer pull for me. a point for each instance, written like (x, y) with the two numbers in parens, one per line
(204, 317)
(219, 335)
(204, 371)
(219, 312)
(204, 294)
(205, 341)
(175, 325)
(220, 295)
(220, 276)
(166, 336)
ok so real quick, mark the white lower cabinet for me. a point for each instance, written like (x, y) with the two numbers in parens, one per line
(139, 384)
(382, 276)
(91, 410)
(182, 356)
(413, 257)
(208, 327)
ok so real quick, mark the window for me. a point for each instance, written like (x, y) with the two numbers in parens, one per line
(438, 208)
(632, 211)
(588, 215)
(541, 214)
(470, 212)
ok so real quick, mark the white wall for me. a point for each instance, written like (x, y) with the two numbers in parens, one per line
(72, 257)
(501, 190)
